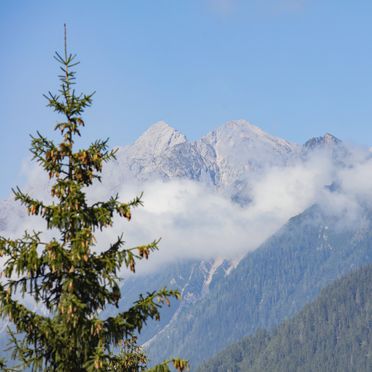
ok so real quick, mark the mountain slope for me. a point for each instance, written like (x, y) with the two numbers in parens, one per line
(269, 285)
(193, 278)
(239, 147)
(333, 333)
(239, 151)
(228, 159)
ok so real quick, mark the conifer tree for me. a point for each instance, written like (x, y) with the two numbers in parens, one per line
(72, 279)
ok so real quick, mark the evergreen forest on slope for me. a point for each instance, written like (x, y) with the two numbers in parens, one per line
(269, 286)
(333, 333)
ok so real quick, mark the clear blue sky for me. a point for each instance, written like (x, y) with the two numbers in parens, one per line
(296, 68)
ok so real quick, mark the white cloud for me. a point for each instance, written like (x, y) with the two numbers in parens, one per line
(196, 221)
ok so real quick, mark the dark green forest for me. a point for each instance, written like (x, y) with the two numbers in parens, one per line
(270, 285)
(333, 333)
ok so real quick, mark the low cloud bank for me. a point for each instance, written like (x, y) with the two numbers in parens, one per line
(198, 222)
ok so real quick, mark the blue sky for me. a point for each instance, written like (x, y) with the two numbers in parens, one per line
(296, 68)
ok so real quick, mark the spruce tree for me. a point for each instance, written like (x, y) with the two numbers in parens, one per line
(68, 275)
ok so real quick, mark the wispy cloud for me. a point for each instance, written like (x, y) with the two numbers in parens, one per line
(196, 221)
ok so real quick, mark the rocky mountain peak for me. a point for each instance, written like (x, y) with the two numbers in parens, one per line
(158, 138)
(238, 150)
(239, 144)
(328, 140)
(243, 125)
(235, 132)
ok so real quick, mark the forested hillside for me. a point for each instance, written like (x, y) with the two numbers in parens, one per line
(334, 333)
(269, 285)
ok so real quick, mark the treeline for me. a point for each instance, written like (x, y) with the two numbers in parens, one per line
(334, 333)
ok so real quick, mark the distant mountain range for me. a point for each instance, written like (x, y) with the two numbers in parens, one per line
(333, 333)
(226, 300)
(227, 158)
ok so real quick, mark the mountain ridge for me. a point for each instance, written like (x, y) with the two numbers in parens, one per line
(228, 158)
(268, 285)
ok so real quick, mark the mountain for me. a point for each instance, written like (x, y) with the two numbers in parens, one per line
(327, 144)
(226, 158)
(162, 153)
(269, 285)
(239, 147)
(193, 278)
(328, 140)
(221, 303)
(333, 333)
(239, 151)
